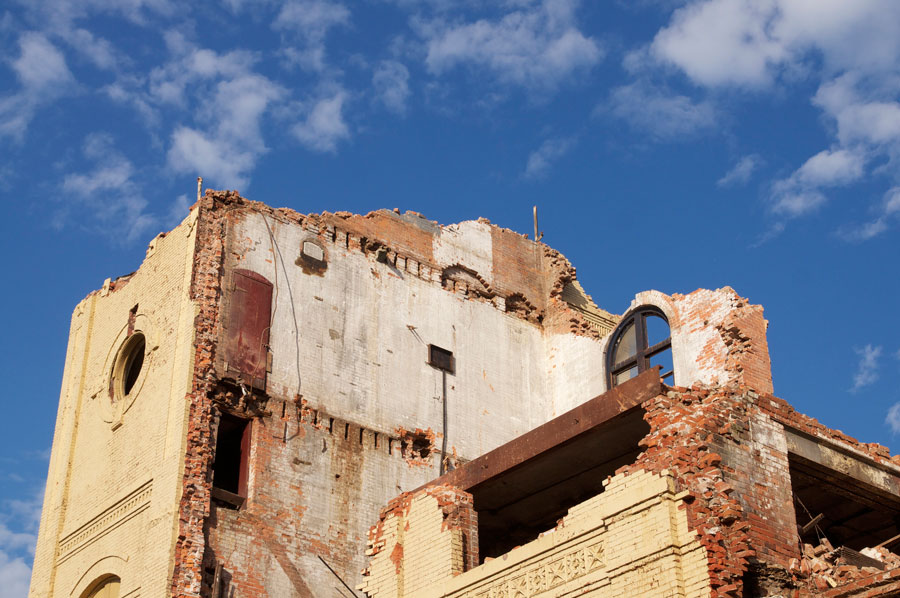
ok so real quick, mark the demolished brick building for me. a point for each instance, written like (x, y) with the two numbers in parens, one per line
(237, 412)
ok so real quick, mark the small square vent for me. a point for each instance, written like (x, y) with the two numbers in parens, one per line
(441, 359)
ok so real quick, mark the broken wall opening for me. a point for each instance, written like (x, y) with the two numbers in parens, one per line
(518, 505)
(231, 464)
(845, 510)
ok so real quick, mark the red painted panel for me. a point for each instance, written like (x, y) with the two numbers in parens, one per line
(247, 328)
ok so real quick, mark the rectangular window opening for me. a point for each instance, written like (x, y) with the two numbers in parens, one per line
(231, 465)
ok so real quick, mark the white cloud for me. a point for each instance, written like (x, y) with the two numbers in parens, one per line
(391, 83)
(892, 202)
(863, 232)
(793, 203)
(852, 49)
(108, 192)
(540, 160)
(40, 65)
(537, 47)
(44, 76)
(226, 141)
(721, 42)
(661, 114)
(190, 66)
(324, 126)
(19, 520)
(310, 20)
(741, 172)
(867, 369)
(831, 167)
(59, 20)
(219, 162)
(893, 418)
(801, 193)
(98, 50)
(15, 575)
(750, 43)
(873, 121)
(889, 209)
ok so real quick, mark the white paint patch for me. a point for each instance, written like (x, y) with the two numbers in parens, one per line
(467, 244)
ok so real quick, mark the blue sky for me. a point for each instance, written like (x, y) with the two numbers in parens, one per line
(668, 144)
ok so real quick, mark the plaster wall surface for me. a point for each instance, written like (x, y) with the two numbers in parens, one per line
(111, 501)
(364, 327)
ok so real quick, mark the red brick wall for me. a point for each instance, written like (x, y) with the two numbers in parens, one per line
(206, 285)
(314, 479)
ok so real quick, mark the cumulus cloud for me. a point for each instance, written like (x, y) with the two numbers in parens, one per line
(893, 418)
(324, 126)
(190, 65)
(225, 142)
(870, 116)
(391, 83)
(852, 49)
(801, 193)
(309, 21)
(750, 43)
(867, 368)
(15, 575)
(741, 172)
(19, 520)
(226, 150)
(43, 75)
(537, 46)
(541, 159)
(108, 191)
(60, 20)
(664, 115)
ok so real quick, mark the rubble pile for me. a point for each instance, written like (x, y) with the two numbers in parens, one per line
(828, 567)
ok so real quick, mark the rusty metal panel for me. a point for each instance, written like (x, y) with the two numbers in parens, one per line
(247, 328)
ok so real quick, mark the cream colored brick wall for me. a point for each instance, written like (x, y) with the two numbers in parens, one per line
(113, 484)
(413, 551)
(631, 540)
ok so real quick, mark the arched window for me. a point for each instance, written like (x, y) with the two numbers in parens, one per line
(640, 342)
(106, 588)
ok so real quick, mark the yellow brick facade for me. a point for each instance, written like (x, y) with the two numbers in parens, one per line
(631, 540)
(110, 507)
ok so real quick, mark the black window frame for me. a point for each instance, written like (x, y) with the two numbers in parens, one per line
(643, 352)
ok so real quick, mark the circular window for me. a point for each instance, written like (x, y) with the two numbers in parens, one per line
(128, 365)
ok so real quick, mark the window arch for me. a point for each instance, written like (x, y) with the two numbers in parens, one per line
(107, 587)
(640, 342)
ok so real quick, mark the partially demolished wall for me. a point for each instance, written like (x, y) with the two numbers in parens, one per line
(350, 413)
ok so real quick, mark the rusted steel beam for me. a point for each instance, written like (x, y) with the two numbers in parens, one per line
(557, 431)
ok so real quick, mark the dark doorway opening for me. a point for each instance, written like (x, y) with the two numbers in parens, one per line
(231, 465)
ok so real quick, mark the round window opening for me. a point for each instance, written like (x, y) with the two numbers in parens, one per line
(129, 365)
